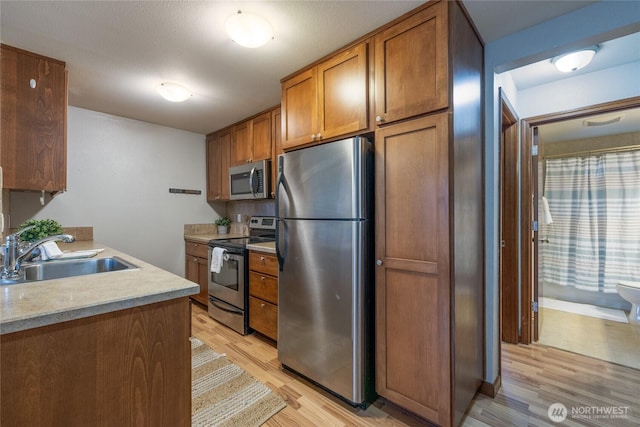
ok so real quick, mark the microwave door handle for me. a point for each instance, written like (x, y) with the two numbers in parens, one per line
(251, 176)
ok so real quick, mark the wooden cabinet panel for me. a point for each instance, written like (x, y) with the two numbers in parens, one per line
(263, 293)
(34, 121)
(241, 144)
(263, 286)
(328, 100)
(197, 249)
(299, 108)
(125, 368)
(412, 283)
(342, 93)
(218, 152)
(252, 140)
(411, 68)
(261, 137)
(263, 263)
(197, 268)
(263, 317)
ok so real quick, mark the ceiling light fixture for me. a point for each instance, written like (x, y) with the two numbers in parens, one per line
(574, 61)
(601, 121)
(248, 29)
(174, 92)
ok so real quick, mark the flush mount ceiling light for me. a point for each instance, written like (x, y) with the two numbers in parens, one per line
(248, 30)
(602, 121)
(575, 60)
(174, 92)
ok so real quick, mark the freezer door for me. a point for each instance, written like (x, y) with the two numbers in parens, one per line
(320, 304)
(326, 181)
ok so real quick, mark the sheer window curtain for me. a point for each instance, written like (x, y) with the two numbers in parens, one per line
(594, 240)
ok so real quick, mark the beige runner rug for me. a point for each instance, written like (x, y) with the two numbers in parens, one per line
(222, 394)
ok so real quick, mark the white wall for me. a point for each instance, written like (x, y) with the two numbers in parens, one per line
(587, 89)
(119, 172)
(593, 24)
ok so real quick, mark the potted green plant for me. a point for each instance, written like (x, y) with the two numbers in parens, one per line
(223, 225)
(41, 228)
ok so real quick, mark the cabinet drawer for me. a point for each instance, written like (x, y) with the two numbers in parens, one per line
(263, 317)
(263, 286)
(263, 262)
(200, 250)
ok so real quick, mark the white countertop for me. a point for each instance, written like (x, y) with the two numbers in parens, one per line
(204, 238)
(31, 305)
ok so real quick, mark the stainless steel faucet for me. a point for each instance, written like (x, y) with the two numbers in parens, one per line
(13, 256)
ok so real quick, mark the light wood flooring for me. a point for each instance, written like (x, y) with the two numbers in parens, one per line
(603, 339)
(533, 378)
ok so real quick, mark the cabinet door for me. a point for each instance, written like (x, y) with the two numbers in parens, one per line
(342, 93)
(261, 137)
(412, 277)
(299, 109)
(196, 270)
(213, 168)
(224, 141)
(241, 143)
(218, 148)
(412, 66)
(34, 121)
(276, 138)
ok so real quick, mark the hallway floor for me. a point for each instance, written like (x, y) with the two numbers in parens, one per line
(603, 339)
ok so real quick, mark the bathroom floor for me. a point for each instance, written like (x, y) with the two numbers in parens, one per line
(600, 338)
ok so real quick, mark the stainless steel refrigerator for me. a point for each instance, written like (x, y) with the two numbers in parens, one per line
(324, 244)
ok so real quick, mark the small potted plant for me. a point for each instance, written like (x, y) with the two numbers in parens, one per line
(223, 225)
(41, 228)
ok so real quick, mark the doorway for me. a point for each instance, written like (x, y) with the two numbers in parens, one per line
(579, 306)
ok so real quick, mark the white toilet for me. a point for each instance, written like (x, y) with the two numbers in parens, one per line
(630, 291)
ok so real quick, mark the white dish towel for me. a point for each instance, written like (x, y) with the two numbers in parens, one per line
(217, 259)
(49, 250)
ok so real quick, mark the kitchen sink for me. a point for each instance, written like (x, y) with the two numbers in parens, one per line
(49, 270)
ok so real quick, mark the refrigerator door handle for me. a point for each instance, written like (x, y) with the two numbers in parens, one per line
(279, 183)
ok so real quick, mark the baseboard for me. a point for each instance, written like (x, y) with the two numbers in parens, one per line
(489, 389)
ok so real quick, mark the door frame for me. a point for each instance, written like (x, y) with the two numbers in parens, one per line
(529, 284)
(508, 222)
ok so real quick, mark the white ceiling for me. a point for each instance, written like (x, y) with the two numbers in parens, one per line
(601, 124)
(117, 52)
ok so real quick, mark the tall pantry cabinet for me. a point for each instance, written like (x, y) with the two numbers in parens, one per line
(429, 212)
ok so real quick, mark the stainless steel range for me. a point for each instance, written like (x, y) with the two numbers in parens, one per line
(229, 288)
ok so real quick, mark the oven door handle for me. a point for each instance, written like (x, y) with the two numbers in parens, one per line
(214, 301)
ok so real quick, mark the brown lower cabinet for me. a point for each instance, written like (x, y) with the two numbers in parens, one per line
(263, 294)
(125, 368)
(196, 268)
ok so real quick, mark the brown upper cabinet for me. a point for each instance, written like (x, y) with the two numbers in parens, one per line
(218, 149)
(411, 65)
(328, 100)
(34, 121)
(252, 140)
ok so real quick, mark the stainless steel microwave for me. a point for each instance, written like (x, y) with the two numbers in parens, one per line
(250, 181)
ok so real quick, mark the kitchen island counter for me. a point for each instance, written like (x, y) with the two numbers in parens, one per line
(35, 304)
(101, 349)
